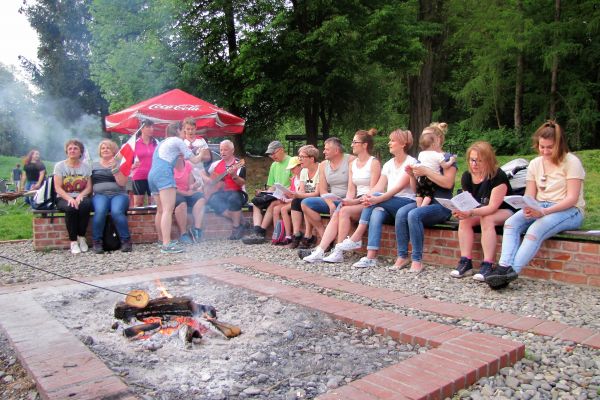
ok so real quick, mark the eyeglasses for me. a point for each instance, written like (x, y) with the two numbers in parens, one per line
(356, 142)
(474, 161)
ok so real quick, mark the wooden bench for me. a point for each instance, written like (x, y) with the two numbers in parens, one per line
(572, 256)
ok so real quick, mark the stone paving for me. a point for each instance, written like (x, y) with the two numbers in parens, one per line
(64, 368)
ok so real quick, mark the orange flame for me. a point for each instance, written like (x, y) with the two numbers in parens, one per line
(162, 289)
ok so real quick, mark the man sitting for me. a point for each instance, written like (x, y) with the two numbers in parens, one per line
(278, 173)
(227, 195)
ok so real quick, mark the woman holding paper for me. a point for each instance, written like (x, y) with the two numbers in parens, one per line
(412, 220)
(555, 180)
(488, 185)
(363, 174)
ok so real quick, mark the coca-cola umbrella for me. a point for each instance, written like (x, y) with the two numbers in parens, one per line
(173, 106)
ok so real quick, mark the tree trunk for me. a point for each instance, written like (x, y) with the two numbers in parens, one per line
(519, 96)
(421, 87)
(554, 80)
(311, 119)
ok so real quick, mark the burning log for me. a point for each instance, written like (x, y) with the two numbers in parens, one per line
(163, 306)
(226, 329)
(139, 329)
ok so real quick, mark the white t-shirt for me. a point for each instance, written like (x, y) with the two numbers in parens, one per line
(310, 185)
(170, 148)
(432, 160)
(361, 177)
(394, 174)
(197, 145)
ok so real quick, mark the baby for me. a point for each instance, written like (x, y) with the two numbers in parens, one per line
(432, 157)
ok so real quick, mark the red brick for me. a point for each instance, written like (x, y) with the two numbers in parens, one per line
(591, 270)
(570, 278)
(549, 328)
(570, 246)
(576, 334)
(591, 248)
(371, 385)
(347, 392)
(537, 273)
(593, 341)
(593, 281)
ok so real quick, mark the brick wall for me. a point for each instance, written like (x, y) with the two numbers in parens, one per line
(562, 260)
(576, 262)
(51, 232)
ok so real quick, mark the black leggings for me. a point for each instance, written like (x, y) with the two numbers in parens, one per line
(76, 219)
(296, 205)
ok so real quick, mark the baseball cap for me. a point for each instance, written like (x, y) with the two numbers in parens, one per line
(273, 147)
(293, 162)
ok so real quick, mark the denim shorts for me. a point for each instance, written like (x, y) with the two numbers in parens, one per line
(318, 205)
(161, 176)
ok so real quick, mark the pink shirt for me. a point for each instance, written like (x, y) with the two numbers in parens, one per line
(182, 176)
(143, 152)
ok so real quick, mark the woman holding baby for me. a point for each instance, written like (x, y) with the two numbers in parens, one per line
(411, 220)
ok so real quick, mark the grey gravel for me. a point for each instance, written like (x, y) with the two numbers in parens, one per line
(552, 368)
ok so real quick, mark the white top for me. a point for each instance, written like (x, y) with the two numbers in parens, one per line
(432, 160)
(394, 174)
(361, 177)
(170, 148)
(197, 145)
(310, 185)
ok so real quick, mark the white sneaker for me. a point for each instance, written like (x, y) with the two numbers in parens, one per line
(365, 263)
(336, 256)
(315, 256)
(82, 243)
(348, 245)
(75, 248)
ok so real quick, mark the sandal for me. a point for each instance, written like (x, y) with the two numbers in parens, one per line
(402, 266)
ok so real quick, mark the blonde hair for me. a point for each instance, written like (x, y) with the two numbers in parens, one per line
(111, 145)
(439, 129)
(487, 155)
(403, 136)
(427, 140)
(550, 130)
(189, 121)
(367, 137)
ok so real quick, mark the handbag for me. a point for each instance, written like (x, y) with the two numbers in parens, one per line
(110, 237)
(262, 200)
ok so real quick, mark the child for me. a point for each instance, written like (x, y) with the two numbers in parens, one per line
(283, 209)
(432, 157)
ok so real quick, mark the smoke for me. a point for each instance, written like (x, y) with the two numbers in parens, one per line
(32, 120)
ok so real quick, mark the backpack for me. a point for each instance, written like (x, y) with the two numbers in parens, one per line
(278, 232)
(110, 237)
(45, 196)
(516, 171)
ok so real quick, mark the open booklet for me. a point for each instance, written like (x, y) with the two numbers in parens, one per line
(522, 202)
(461, 202)
(281, 192)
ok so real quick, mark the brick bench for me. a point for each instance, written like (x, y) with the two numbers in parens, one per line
(50, 232)
(571, 257)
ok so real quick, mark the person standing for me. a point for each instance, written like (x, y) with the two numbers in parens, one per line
(144, 149)
(35, 173)
(72, 182)
(162, 184)
(555, 179)
(16, 177)
(108, 185)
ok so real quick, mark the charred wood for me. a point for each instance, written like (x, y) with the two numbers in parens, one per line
(163, 306)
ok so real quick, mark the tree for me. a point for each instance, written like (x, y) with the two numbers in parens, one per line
(16, 105)
(63, 70)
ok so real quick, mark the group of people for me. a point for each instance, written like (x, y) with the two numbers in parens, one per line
(355, 188)
(181, 178)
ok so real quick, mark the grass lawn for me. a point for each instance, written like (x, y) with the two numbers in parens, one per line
(16, 220)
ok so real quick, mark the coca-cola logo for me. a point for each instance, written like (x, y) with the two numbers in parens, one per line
(176, 107)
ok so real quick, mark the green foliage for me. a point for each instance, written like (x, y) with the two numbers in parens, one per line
(504, 141)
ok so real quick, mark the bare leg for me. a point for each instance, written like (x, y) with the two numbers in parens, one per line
(330, 232)
(256, 216)
(313, 219)
(419, 201)
(488, 232)
(287, 221)
(466, 235)
(167, 199)
(268, 217)
(198, 213)
(347, 216)
(157, 217)
(181, 217)
(426, 201)
(359, 232)
(138, 200)
(297, 218)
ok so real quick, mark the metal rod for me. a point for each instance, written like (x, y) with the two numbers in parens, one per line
(138, 297)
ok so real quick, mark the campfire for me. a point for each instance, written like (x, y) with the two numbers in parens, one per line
(168, 316)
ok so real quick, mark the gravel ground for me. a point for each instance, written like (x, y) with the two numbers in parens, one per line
(551, 369)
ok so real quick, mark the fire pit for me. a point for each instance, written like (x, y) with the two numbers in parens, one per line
(285, 351)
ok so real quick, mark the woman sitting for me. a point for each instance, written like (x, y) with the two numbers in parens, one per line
(189, 195)
(109, 195)
(488, 184)
(381, 207)
(555, 180)
(412, 220)
(73, 186)
(35, 172)
(309, 183)
(363, 175)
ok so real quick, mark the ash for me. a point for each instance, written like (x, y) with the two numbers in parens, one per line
(284, 352)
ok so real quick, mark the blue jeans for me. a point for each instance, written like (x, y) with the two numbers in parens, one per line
(28, 185)
(517, 254)
(377, 215)
(118, 205)
(317, 204)
(410, 226)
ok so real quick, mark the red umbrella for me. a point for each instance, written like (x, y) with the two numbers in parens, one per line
(173, 106)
